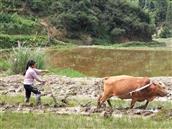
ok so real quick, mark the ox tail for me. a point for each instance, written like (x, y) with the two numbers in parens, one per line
(103, 81)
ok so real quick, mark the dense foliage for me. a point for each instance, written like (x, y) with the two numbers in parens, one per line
(110, 20)
(8, 41)
(15, 24)
(160, 12)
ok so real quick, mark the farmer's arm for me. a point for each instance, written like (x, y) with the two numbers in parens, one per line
(39, 71)
(35, 76)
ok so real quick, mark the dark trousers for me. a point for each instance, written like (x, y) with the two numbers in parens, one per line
(29, 89)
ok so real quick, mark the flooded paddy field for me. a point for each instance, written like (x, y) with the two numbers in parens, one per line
(107, 62)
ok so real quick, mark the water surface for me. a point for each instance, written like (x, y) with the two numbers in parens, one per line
(107, 62)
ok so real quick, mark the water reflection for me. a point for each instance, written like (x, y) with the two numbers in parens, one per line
(107, 62)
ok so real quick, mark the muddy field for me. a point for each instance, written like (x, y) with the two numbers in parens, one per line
(61, 89)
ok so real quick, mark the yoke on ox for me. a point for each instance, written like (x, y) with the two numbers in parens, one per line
(129, 87)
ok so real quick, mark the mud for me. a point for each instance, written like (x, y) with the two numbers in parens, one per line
(62, 88)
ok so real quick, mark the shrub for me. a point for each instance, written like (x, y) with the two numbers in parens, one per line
(15, 24)
(19, 57)
(3, 65)
(40, 7)
(9, 41)
(117, 33)
(165, 33)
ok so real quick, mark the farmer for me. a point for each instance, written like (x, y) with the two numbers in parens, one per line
(31, 74)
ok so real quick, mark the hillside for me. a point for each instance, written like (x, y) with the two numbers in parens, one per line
(160, 13)
(46, 22)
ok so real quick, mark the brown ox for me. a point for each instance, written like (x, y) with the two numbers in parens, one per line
(129, 87)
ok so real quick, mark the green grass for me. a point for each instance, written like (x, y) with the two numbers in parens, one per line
(105, 43)
(60, 48)
(4, 65)
(66, 72)
(134, 46)
(9, 41)
(15, 18)
(116, 103)
(34, 120)
(18, 99)
(11, 99)
(17, 24)
(20, 56)
(10, 120)
(168, 41)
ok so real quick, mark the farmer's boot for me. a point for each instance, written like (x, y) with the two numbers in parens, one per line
(38, 99)
(26, 100)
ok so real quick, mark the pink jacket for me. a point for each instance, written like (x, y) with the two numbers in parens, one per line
(30, 75)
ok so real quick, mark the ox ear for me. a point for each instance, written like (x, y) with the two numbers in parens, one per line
(155, 82)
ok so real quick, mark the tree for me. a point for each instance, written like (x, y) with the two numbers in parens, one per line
(169, 15)
(110, 19)
(160, 15)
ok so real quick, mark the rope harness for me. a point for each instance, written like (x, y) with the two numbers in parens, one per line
(141, 88)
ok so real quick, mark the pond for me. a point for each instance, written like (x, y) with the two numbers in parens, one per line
(107, 62)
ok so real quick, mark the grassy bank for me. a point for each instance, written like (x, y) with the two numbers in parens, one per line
(53, 121)
(4, 65)
(9, 41)
(71, 102)
(65, 72)
(153, 44)
(49, 120)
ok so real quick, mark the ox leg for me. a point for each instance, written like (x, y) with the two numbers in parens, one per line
(103, 99)
(109, 103)
(98, 101)
(133, 101)
(144, 106)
